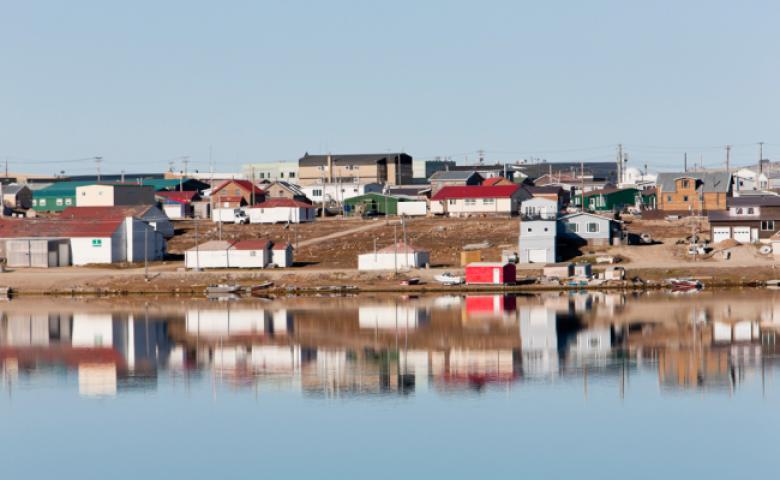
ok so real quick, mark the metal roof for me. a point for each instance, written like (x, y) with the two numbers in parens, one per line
(352, 159)
(476, 191)
(712, 182)
(453, 175)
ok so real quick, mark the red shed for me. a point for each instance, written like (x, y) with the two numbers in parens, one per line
(490, 273)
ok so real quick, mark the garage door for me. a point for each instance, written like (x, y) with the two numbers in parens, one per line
(742, 234)
(537, 256)
(720, 233)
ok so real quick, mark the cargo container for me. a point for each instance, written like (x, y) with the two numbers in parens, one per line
(490, 273)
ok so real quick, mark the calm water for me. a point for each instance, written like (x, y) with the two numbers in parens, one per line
(551, 386)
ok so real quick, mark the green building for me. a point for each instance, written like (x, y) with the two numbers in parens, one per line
(607, 200)
(373, 204)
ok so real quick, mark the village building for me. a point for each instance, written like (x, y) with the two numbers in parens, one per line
(113, 195)
(589, 228)
(746, 179)
(89, 241)
(235, 194)
(282, 210)
(689, 193)
(605, 171)
(149, 214)
(550, 192)
(493, 181)
(336, 193)
(282, 189)
(748, 219)
(612, 199)
(490, 273)
(486, 170)
(256, 253)
(417, 192)
(538, 231)
(385, 168)
(459, 178)
(400, 256)
(16, 197)
(476, 200)
(249, 254)
(371, 204)
(178, 205)
(272, 171)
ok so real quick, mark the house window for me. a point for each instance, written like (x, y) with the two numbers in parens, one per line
(281, 174)
(68, 201)
(572, 227)
(97, 242)
(316, 192)
(452, 201)
(470, 202)
(685, 198)
(768, 225)
(252, 253)
(593, 227)
(488, 201)
(42, 202)
(685, 184)
(59, 202)
(35, 202)
(750, 210)
(262, 175)
(530, 229)
(291, 175)
(739, 211)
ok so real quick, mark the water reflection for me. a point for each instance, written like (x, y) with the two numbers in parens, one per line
(333, 347)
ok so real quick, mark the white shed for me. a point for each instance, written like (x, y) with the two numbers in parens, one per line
(282, 210)
(394, 257)
(212, 254)
(249, 254)
(282, 255)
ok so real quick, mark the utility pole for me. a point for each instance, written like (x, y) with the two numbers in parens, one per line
(685, 162)
(760, 157)
(197, 247)
(728, 158)
(582, 185)
(253, 185)
(97, 166)
(146, 253)
(186, 160)
(620, 164)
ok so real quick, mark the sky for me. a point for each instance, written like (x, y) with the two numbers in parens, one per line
(145, 83)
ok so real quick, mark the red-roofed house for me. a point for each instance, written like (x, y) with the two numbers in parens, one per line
(478, 199)
(493, 181)
(235, 193)
(282, 210)
(78, 241)
(282, 255)
(151, 215)
(176, 204)
(250, 254)
(400, 256)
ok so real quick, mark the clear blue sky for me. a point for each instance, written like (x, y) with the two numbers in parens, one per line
(143, 82)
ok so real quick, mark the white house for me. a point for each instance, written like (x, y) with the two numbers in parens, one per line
(338, 192)
(394, 257)
(478, 199)
(537, 241)
(212, 254)
(110, 195)
(282, 210)
(748, 179)
(282, 255)
(249, 254)
(149, 214)
(95, 241)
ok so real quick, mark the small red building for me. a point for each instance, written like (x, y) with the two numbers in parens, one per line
(490, 273)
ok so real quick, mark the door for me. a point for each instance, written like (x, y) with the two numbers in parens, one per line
(537, 256)
(720, 233)
(742, 234)
(496, 275)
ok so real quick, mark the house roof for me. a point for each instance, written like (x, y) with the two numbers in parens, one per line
(12, 189)
(495, 181)
(497, 167)
(712, 182)
(58, 227)
(608, 190)
(244, 184)
(254, 244)
(754, 201)
(351, 159)
(544, 190)
(444, 175)
(476, 191)
(283, 203)
(212, 246)
(401, 248)
(576, 214)
(408, 190)
(121, 212)
(281, 246)
(178, 197)
(605, 170)
(295, 189)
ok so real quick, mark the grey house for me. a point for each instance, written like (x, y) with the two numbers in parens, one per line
(449, 178)
(588, 228)
(537, 242)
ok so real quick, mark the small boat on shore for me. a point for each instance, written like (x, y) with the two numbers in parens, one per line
(449, 279)
(260, 288)
(222, 288)
(684, 284)
(410, 281)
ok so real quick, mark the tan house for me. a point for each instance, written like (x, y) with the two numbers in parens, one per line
(693, 192)
(280, 189)
(386, 168)
(16, 196)
(235, 193)
(114, 195)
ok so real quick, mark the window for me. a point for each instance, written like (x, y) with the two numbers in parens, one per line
(281, 174)
(685, 184)
(470, 202)
(83, 194)
(452, 201)
(768, 225)
(316, 192)
(262, 175)
(593, 227)
(35, 202)
(750, 210)
(668, 198)
(97, 242)
(685, 198)
(488, 201)
(68, 201)
(291, 175)
(59, 202)
(42, 202)
(739, 211)
(572, 227)
(530, 229)
(252, 253)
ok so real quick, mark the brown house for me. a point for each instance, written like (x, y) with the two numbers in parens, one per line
(280, 189)
(385, 168)
(748, 219)
(234, 193)
(690, 193)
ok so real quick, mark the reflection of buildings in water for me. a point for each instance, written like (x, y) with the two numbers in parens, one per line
(539, 341)
(482, 307)
(392, 317)
(110, 351)
(481, 366)
(591, 347)
(232, 321)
